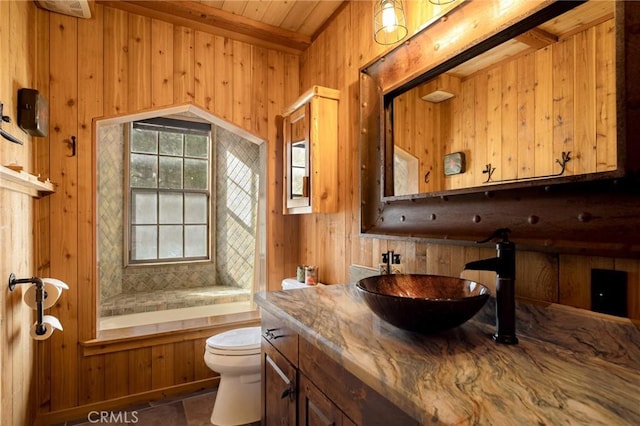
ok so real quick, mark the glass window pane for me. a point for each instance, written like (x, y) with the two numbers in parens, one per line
(170, 143)
(170, 173)
(297, 182)
(144, 171)
(195, 174)
(144, 241)
(144, 141)
(195, 241)
(170, 242)
(195, 208)
(196, 146)
(145, 208)
(299, 155)
(171, 208)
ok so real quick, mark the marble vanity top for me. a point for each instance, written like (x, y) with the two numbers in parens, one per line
(570, 367)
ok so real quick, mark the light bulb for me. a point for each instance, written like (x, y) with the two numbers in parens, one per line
(389, 20)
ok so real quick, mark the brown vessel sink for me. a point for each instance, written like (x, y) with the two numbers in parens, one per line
(422, 303)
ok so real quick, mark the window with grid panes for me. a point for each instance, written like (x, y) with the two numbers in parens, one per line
(169, 196)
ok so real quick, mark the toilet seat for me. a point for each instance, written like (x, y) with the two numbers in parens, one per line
(238, 342)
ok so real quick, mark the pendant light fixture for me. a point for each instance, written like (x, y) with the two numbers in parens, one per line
(441, 2)
(389, 24)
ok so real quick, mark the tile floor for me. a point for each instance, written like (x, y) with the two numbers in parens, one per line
(186, 410)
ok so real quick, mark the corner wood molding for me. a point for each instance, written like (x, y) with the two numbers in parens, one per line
(14, 179)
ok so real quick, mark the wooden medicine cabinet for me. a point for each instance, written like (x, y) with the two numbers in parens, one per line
(310, 134)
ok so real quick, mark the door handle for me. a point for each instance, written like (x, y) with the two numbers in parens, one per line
(288, 392)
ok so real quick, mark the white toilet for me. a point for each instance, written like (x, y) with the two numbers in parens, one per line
(235, 354)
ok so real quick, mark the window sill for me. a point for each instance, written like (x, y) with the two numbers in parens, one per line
(128, 338)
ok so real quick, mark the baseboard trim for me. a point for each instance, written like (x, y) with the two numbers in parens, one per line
(74, 413)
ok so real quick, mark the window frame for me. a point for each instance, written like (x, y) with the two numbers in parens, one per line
(128, 202)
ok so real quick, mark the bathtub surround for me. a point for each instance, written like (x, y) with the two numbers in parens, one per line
(570, 367)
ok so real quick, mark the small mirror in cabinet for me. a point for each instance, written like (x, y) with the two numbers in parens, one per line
(296, 135)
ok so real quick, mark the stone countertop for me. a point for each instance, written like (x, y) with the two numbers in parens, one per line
(571, 366)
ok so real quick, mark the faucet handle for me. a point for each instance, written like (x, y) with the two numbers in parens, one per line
(501, 233)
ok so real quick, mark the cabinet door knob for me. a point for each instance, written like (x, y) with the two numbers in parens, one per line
(269, 335)
(288, 392)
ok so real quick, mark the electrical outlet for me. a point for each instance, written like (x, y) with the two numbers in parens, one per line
(609, 292)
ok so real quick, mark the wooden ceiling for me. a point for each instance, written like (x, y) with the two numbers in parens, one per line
(290, 25)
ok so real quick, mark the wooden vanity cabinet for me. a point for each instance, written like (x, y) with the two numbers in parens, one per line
(301, 385)
(315, 409)
(279, 388)
(310, 153)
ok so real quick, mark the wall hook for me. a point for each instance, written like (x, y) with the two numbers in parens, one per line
(566, 157)
(5, 134)
(72, 144)
(489, 171)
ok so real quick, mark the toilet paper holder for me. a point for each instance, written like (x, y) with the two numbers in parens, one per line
(40, 327)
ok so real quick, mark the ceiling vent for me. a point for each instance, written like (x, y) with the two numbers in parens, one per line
(77, 8)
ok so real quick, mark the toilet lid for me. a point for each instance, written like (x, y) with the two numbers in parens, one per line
(235, 341)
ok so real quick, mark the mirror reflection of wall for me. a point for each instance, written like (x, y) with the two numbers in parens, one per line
(518, 107)
(405, 172)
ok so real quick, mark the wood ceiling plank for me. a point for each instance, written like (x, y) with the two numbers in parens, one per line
(299, 12)
(213, 3)
(200, 16)
(276, 12)
(236, 7)
(321, 13)
(256, 10)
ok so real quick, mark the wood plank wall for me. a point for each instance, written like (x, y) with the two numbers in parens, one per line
(563, 106)
(334, 60)
(115, 63)
(17, 211)
(118, 62)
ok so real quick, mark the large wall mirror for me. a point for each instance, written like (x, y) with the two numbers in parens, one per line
(537, 106)
(539, 97)
(541, 104)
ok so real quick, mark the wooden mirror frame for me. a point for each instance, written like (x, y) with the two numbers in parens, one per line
(591, 214)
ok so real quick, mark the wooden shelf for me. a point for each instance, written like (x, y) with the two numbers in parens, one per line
(24, 182)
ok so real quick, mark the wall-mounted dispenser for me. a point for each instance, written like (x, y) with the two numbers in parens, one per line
(40, 296)
(33, 112)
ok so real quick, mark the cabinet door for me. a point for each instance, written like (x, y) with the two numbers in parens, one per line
(315, 409)
(279, 388)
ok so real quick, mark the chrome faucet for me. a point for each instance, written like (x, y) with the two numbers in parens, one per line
(505, 267)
